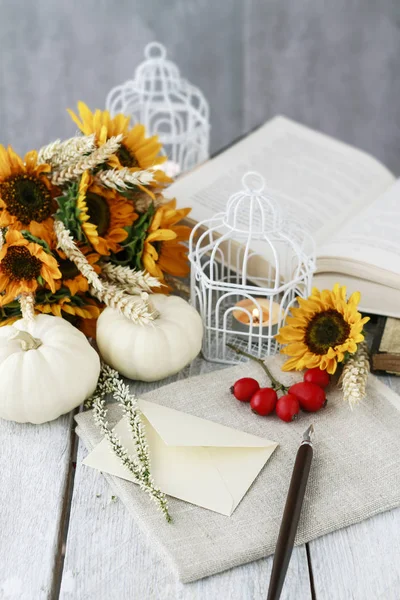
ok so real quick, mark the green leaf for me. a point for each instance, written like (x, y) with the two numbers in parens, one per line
(347, 355)
(131, 254)
(12, 309)
(32, 238)
(44, 296)
(68, 213)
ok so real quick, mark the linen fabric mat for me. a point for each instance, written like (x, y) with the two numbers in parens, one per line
(354, 474)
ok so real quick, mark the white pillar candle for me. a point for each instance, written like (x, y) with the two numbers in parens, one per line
(259, 318)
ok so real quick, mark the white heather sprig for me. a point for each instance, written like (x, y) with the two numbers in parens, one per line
(138, 310)
(355, 375)
(27, 305)
(65, 153)
(122, 179)
(133, 282)
(139, 466)
(87, 163)
(66, 242)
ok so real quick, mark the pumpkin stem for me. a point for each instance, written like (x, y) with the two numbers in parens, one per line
(28, 342)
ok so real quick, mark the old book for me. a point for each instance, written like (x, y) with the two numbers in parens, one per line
(345, 198)
(385, 350)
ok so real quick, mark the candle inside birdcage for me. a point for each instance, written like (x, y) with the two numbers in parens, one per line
(259, 314)
(248, 266)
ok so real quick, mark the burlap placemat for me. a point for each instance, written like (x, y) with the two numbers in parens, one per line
(355, 472)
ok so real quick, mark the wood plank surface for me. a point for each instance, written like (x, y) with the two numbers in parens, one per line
(361, 562)
(34, 466)
(108, 556)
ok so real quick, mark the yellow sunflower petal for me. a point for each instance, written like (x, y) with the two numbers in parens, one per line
(311, 361)
(297, 322)
(295, 349)
(290, 333)
(308, 306)
(151, 266)
(156, 222)
(161, 235)
(331, 366)
(75, 119)
(354, 299)
(293, 364)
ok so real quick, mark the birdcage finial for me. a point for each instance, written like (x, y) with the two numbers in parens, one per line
(155, 50)
(252, 210)
(253, 182)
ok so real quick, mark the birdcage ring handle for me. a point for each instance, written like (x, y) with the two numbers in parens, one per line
(253, 182)
(155, 50)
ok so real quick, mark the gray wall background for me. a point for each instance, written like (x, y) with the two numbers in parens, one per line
(334, 64)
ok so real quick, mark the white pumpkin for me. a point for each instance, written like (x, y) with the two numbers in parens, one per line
(47, 368)
(151, 352)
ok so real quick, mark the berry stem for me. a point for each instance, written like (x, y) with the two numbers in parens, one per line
(277, 385)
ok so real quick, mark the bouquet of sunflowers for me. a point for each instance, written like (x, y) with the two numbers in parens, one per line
(84, 224)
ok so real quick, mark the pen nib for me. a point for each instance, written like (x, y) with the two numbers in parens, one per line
(309, 434)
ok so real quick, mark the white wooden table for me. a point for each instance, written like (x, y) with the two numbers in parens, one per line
(63, 535)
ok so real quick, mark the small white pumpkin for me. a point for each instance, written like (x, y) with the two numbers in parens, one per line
(47, 368)
(151, 352)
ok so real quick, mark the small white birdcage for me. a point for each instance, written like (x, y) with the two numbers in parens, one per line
(248, 265)
(168, 106)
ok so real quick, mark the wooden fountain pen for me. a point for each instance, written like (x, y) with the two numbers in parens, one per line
(291, 515)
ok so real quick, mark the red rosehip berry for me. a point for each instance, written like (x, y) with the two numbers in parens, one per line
(310, 396)
(287, 408)
(244, 389)
(263, 401)
(317, 376)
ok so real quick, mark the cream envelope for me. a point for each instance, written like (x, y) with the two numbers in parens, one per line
(193, 459)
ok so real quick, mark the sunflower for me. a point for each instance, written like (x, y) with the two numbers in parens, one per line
(26, 194)
(136, 152)
(322, 330)
(87, 310)
(87, 326)
(163, 251)
(84, 316)
(24, 266)
(72, 278)
(103, 215)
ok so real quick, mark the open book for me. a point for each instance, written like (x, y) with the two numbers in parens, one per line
(345, 198)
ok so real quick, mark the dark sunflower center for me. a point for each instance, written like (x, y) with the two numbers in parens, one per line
(19, 264)
(325, 330)
(99, 212)
(126, 158)
(68, 269)
(26, 198)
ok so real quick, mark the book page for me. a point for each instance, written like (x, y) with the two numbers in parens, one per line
(318, 181)
(370, 239)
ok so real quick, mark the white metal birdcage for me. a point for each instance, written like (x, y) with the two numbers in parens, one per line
(248, 265)
(168, 106)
